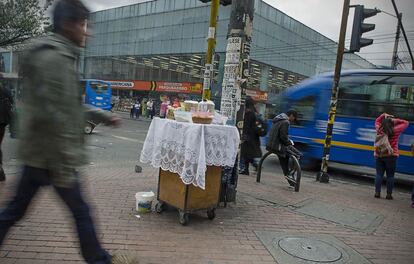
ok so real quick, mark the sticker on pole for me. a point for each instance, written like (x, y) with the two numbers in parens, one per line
(206, 84)
(234, 44)
(230, 71)
(211, 32)
(231, 68)
(207, 74)
(230, 102)
(232, 75)
(232, 57)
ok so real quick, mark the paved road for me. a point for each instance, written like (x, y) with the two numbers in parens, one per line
(380, 231)
(348, 174)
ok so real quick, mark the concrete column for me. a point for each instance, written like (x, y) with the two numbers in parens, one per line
(264, 78)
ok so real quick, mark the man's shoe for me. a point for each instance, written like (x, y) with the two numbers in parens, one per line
(389, 196)
(124, 259)
(412, 205)
(290, 180)
(377, 195)
(2, 175)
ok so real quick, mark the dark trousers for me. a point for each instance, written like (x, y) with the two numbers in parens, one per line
(31, 180)
(2, 131)
(388, 165)
(244, 164)
(284, 163)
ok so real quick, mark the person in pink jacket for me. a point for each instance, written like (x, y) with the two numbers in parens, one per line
(164, 108)
(393, 128)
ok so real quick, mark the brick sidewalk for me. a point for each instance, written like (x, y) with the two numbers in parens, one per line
(46, 234)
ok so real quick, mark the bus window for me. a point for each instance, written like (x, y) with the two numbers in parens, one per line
(402, 101)
(369, 96)
(305, 108)
(99, 88)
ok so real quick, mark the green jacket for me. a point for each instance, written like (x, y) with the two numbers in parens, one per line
(52, 115)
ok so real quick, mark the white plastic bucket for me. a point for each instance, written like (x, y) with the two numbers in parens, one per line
(144, 201)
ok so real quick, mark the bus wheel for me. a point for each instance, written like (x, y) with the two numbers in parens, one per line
(88, 128)
(310, 164)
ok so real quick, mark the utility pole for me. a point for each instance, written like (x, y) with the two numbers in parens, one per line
(404, 34)
(397, 40)
(323, 175)
(236, 67)
(211, 39)
(236, 73)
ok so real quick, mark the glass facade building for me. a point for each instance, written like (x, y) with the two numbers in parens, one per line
(165, 40)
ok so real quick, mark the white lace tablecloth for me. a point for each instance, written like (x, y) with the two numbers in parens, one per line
(187, 149)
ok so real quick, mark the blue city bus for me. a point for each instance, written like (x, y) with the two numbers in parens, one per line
(363, 96)
(97, 93)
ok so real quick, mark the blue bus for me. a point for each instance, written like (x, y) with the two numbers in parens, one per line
(363, 96)
(97, 93)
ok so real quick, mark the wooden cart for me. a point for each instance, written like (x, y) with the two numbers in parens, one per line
(188, 198)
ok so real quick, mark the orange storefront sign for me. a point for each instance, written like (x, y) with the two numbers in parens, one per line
(185, 87)
(258, 96)
(179, 87)
(132, 85)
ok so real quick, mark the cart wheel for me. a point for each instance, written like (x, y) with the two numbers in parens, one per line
(159, 207)
(88, 128)
(184, 218)
(211, 214)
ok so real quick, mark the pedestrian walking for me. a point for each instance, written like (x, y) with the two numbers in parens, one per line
(150, 107)
(163, 108)
(250, 147)
(132, 111)
(6, 105)
(52, 143)
(137, 107)
(144, 108)
(388, 130)
(114, 102)
(279, 139)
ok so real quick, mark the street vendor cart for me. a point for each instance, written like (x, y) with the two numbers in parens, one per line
(189, 157)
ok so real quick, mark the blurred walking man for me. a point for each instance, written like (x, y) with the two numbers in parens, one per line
(6, 103)
(52, 143)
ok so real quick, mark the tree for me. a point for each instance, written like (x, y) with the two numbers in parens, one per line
(21, 20)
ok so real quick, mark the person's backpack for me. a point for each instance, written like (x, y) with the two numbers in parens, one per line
(261, 127)
(382, 146)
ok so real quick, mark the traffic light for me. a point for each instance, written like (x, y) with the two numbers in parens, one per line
(222, 2)
(361, 13)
